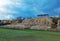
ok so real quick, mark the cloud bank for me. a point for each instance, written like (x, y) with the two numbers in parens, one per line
(10, 9)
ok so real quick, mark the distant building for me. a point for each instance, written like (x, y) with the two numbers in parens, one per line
(42, 15)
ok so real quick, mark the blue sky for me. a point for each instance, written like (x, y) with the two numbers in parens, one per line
(10, 9)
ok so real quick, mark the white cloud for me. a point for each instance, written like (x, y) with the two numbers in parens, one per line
(6, 13)
(11, 4)
(6, 17)
(9, 17)
(4, 3)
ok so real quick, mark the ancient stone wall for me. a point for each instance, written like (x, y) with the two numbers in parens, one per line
(38, 23)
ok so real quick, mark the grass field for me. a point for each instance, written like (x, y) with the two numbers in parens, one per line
(28, 35)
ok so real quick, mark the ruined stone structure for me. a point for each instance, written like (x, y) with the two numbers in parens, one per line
(38, 23)
(58, 25)
(42, 22)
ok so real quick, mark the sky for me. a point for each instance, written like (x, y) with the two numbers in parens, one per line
(10, 9)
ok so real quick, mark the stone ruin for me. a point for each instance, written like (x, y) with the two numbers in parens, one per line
(45, 23)
(38, 23)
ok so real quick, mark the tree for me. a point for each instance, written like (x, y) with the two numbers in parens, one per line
(20, 19)
(55, 22)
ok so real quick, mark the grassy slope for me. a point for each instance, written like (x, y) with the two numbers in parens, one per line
(28, 35)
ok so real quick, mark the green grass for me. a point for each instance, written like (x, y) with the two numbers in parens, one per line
(28, 35)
